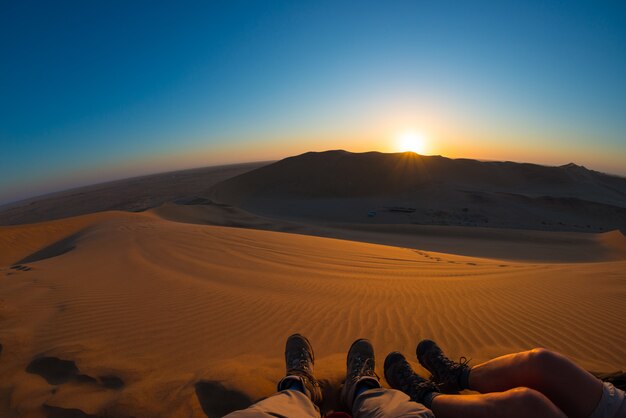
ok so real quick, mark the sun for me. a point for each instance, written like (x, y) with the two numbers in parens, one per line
(412, 142)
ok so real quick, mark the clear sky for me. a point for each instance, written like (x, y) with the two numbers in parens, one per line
(99, 90)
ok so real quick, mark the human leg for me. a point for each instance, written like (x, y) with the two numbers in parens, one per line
(286, 403)
(297, 393)
(299, 363)
(574, 390)
(387, 403)
(364, 396)
(519, 402)
(514, 403)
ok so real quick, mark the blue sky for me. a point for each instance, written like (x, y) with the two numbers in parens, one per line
(97, 90)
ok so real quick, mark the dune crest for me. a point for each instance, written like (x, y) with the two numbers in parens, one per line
(29, 243)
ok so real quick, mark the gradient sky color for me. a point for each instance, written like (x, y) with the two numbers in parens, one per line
(98, 90)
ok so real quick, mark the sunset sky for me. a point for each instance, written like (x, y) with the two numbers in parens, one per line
(98, 90)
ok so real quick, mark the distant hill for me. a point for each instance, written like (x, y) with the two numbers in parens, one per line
(339, 186)
(133, 194)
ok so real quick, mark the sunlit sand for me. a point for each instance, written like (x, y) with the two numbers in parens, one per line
(164, 312)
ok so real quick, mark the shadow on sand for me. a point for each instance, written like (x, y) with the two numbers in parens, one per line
(57, 412)
(56, 249)
(217, 401)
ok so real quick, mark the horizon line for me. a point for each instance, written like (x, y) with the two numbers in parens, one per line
(3, 205)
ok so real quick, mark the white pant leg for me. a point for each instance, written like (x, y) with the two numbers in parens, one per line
(388, 403)
(287, 403)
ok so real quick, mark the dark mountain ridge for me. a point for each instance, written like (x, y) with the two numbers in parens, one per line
(345, 174)
(339, 186)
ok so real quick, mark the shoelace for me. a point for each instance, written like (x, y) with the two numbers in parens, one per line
(463, 361)
(301, 361)
(451, 367)
(362, 369)
(412, 385)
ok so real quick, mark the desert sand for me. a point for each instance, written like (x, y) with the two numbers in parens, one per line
(178, 318)
(178, 301)
(133, 194)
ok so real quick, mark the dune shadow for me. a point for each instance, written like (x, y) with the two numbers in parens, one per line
(217, 401)
(56, 249)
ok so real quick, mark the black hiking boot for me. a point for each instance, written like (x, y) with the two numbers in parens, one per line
(299, 361)
(400, 376)
(360, 371)
(450, 376)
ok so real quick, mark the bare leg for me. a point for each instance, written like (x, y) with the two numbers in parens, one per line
(514, 403)
(572, 389)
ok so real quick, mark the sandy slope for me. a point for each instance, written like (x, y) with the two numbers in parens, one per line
(171, 308)
(506, 244)
(133, 194)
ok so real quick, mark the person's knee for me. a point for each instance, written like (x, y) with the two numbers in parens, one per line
(544, 357)
(538, 361)
(525, 396)
(528, 402)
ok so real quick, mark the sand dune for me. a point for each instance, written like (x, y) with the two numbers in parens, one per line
(135, 315)
(342, 187)
(345, 174)
(132, 194)
(507, 244)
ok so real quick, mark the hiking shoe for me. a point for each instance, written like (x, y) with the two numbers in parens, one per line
(450, 376)
(360, 371)
(400, 376)
(299, 361)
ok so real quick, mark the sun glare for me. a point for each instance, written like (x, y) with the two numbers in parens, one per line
(412, 142)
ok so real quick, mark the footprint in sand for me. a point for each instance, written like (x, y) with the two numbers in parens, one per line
(21, 267)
